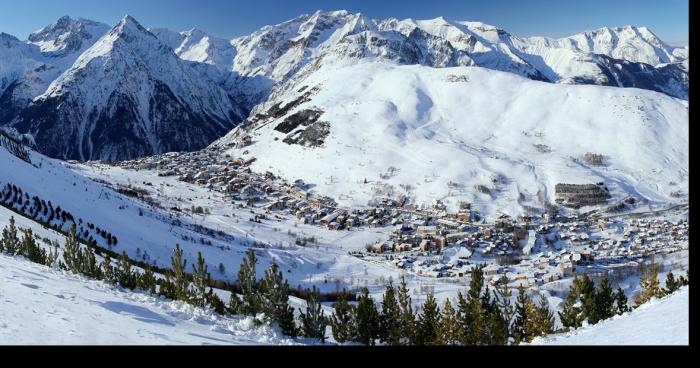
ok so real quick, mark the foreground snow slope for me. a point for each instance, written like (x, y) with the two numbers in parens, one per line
(473, 127)
(659, 322)
(39, 305)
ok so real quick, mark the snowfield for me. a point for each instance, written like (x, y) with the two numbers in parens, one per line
(659, 322)
(40, 305)
(449, 131)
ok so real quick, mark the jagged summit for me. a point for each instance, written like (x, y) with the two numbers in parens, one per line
(67, 36)
(128, 95)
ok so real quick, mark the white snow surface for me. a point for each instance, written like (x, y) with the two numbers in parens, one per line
(40, 305)
(662, 321)
(473, 126)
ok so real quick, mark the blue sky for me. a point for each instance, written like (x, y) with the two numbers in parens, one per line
(227, 18)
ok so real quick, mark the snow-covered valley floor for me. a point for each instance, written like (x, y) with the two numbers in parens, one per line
(663, 321)
(39, 305)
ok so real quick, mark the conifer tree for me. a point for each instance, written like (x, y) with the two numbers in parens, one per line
(449, 329)
(571, 315)
(502, 296)
(366, 319)
(649, 286)
(200, 281)
(522, 309)
(605, 300)
(52, 255)
(177, 276)
(147, 280)
(71, 251)
(10, 242)
(108, 273)
(427, 332)
(342, 321)
(587, 297)
(123, 273)
(390, 318)
(496, 325)
(31, 250)
(88, 264)
(314, 321)
(621, 306)
(472, 312)
(271, 297)
(408, 319)
(544, 318)
(247, 281)
(671, 284)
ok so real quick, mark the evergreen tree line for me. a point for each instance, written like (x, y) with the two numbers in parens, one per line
(649, 285)
(588, 302)
(44, 213)
(481, 316)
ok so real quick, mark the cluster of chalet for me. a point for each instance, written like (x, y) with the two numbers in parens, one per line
(530, 251)
(235, 179)
(433, 242)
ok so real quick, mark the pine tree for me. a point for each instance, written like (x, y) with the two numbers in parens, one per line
(247, 281)
(408, 318)
(649, 286)
(605, 300)
(200, 282)
(587, 296)
(449, 329)
(31, 250)
(123, 273)
(390, 318)
(571, 315)
(671, 284)
(314, 321)
(108, 273)
(502, 296)
(71, 251)
(531, 324)
(272, 297)
(522, 307)
(52, 255)
(10, 243)
(496, 325)
(621, 306)
(427, 332)
(342, 321)
(177, 276)
(88, 264)
(147, 280)
(544, 318)
(473, 316)
(366, 319)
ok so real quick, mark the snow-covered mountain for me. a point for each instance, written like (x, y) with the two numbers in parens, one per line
(27, 68)
(216, 82)
(358, 129)
(128, 95)
(68, 36)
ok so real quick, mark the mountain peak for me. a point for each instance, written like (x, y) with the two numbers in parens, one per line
(67, 35)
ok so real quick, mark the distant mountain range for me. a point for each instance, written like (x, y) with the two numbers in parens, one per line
(83, 90)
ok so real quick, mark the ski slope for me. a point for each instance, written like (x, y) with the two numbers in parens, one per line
(659, 322)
